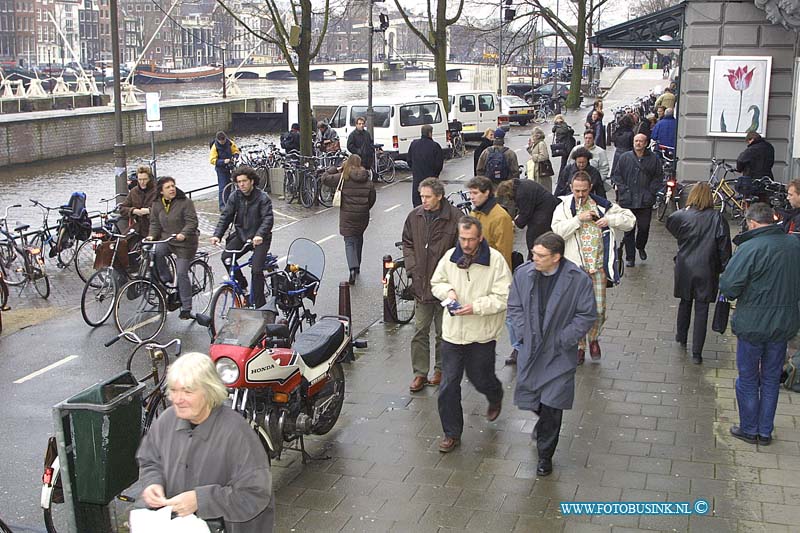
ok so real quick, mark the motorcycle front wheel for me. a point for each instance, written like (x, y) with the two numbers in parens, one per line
(331, 414)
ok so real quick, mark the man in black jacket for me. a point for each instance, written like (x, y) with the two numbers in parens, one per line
(249, 209)
(638, 176)
(791, 217)
(581, 158)
(757, 159)
(360, 142)
(425, 159)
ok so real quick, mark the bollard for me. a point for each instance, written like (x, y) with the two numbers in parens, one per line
(345, 310)
(388, 289)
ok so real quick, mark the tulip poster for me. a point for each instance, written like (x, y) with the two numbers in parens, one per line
(738, 93)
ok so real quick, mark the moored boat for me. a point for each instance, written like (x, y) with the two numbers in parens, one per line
(145, 76)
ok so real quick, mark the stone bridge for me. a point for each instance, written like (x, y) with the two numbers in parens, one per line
(342, 71)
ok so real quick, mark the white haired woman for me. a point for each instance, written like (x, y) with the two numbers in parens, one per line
(202, 458)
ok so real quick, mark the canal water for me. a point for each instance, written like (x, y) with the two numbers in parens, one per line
(52, 182)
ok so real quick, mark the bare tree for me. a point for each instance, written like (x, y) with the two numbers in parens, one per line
(298, 51)
(434, 37)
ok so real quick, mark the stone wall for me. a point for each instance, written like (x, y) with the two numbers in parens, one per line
(56, 134)
(735, 28)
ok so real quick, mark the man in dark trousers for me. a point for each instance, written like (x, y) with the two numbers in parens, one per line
(638, 176)
(430, 230)
(425, 159)
(359, 142)
(551, 303)
(220, 155)
(757, 159)
(762, 278)
(249, 209)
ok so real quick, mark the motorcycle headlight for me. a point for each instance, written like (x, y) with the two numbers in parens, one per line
(227, 370)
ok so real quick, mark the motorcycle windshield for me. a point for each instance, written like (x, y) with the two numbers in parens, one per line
(308, 255)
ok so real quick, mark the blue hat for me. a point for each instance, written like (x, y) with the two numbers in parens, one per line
(499, 133)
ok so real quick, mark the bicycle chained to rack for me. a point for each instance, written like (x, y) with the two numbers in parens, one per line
(150, 369)
(22, 261)
(72, 226)
(110, 218)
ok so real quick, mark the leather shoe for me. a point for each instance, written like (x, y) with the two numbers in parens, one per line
(512, 359)
(697, 359)
(630, 263)
(544, 468)
(581, 356)
(186, 315)
(448, 444)
(680, 341)
(594, 350)
(418, 384)
(737, 432)
(352, 279)
(642, 254)
(436, 379)
(764, 441)
(493, 412)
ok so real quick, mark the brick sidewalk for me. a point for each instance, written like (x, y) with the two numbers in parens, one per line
(648, 425)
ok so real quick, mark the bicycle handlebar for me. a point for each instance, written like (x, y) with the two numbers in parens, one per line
(106, 200)
(40, 204)
(247, 243)
(146, 242)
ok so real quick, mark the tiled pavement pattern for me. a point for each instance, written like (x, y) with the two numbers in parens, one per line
(647, 425)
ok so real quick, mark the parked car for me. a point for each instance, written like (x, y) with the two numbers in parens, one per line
(547, 88)
(517, 109)
(518, 89)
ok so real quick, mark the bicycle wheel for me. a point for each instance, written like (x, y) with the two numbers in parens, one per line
(140, 308)
(66, 246)
(719, 202)
(154, 406)
(325, 194)
(403, 305)
(661, 208)
(263, 179)
(385, 167)
(540, 116)
(226, 192)
(308, 190)
(290, 185)
(224, 298)
(38, 276)
(53, 508)
(13, 264)
(84, 259)
(147, 371)
(202, 279)
(4, 528)
(97, 300)
(3, 293)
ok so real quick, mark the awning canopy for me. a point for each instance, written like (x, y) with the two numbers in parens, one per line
(662, 29)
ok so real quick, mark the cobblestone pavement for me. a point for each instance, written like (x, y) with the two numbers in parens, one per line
(647, 425)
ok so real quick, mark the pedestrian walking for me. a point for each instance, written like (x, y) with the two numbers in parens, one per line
(426, 159)
(641, 125)
(486, 141)
(539, 152)
(552, 304)
(358, 197)
(532, 204)
(595, 123)
(623, 139)
(790, 218)
(563, 138)
(757, 159)
(704, 248)
(591, 226)
(666, 130)
(249, 210)
(359, 142)
(429, 231)
(498, 229)
(186, 459)
(599, 158)
(174, 214)
(761, 277)
(220, 156)
(638, 177)
(581, 162)
(473, 279)
(138, 203)
(491, 165)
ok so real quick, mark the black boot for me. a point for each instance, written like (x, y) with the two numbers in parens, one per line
(547, 430)
(352, 280)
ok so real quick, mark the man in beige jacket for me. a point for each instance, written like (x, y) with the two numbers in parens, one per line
(473, 281)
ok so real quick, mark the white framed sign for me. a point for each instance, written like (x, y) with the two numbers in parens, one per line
(738, 95)
(152, 107)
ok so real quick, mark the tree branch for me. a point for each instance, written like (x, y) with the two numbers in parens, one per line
(413, 28)
(323, 31)
(451, 21)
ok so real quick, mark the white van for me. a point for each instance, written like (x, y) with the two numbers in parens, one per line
(396, 123)
(477, 111)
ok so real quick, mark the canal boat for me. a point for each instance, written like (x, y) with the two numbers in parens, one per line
(146, 75)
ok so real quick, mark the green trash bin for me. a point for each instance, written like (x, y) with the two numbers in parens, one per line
(105, 425)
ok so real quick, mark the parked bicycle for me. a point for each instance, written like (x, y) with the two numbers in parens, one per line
(383, 165)
(4, 528)
(669, 197)
(3, 298)
(547, 110)
(73, 226)
(724, 188)
(150, 370)
(22, 262)
(461, 201)
(142, 304)
(109, 222)
(397, 289)
(455, 139)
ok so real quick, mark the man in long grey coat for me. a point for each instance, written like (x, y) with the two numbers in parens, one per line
(552, 304)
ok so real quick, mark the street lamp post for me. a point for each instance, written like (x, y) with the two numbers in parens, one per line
(370, 111)
(120, 170)
(555, 67)
(224, 79)
(500, 54)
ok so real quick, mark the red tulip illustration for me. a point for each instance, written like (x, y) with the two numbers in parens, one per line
(740, 80)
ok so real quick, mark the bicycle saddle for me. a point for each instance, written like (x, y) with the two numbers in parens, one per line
(22, 227)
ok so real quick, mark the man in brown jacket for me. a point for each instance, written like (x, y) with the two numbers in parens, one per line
(429, 231)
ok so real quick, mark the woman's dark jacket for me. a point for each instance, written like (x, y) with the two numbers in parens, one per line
(564, 134)
(643, 126)
(139, 198)
(565, 178)
(358, 197)
(485, 143)
(181, 218)
(704, 249)
(535, 206)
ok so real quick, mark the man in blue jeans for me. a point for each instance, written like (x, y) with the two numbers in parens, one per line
(761, 278)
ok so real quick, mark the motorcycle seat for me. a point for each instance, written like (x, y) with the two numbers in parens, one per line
(317, 343)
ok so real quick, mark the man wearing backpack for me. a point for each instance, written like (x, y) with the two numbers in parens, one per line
(497, 162)
(291, 139)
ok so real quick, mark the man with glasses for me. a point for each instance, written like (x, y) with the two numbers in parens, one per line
(472, 282)
(249, 209)
(551, 304)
